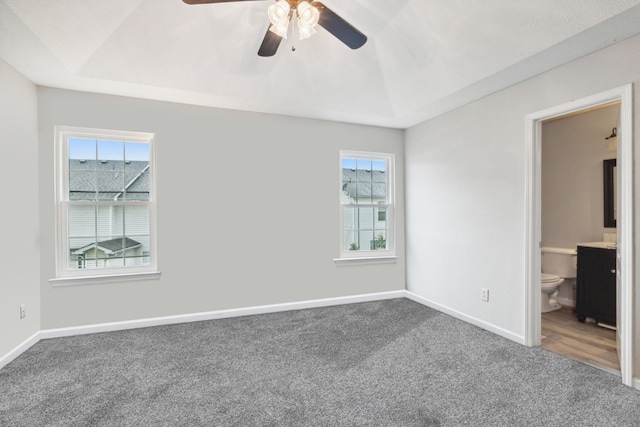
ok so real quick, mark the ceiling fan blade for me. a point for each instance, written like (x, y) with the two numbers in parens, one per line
(341, 29)
(212, 1)
(270, 44)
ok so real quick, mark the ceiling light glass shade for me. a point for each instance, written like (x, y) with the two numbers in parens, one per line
(305, 31)
(280, 30)
(279, 13)
(308, 13)
(307, 19)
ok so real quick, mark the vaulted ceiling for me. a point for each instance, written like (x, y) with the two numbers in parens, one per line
(422, 57)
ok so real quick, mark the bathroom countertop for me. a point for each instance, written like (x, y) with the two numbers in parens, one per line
(601, 245)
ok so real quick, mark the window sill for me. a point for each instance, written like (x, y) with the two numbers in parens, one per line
(366, 260)
(110, 278)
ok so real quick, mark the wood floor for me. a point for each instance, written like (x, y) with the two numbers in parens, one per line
(585, 342)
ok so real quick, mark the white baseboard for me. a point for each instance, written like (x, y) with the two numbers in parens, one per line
(247, 311)
(194, 317)
(636, 383)
(9, 357)
(218, 314)
(466, 318)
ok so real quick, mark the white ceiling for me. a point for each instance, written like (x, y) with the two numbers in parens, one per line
(423, 57)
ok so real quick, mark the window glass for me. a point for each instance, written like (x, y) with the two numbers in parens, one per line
(366, 199)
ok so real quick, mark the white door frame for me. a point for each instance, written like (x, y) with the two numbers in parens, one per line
(533, 125)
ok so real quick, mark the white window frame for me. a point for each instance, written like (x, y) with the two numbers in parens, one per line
(348, 257)
(66, 275)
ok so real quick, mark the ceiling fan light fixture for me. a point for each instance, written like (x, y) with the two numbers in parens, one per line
(307, 19)
(305, 31)
(307, 13)
(279, 16)
(279, 13)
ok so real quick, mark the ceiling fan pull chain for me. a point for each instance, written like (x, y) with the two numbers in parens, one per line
(293, 30)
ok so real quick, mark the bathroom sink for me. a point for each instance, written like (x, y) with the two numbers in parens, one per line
(602, 245)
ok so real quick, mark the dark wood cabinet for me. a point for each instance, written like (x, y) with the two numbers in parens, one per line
(596, 285)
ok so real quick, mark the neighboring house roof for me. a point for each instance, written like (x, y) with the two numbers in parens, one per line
(110, 179)
(112, 246)
(364, 183)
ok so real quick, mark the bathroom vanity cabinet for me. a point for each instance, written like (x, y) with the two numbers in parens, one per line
(596, 284)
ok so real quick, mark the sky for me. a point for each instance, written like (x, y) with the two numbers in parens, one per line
(92, 149)
(363, 164)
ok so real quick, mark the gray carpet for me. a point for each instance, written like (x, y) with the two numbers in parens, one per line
(388, 363)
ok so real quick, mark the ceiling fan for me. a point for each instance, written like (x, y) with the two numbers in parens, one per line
(307, 14)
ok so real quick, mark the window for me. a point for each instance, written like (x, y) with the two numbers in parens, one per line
(105, 200)
(367, 205)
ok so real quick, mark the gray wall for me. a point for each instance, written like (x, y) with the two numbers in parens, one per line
(465, 190)
(240, 195)
(573, 149)
(19, 251)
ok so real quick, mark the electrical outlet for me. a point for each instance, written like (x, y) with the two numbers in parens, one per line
(23, 311)
(484, 294)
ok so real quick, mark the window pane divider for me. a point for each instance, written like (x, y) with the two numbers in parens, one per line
(366, 205)
(107, 203)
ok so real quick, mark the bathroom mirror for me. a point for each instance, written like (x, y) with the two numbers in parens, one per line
(609, 173)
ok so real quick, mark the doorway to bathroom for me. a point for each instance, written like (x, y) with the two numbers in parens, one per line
(582, 172)
(574, 149)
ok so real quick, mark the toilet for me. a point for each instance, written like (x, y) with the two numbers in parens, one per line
(558, 264)
(549, 284)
